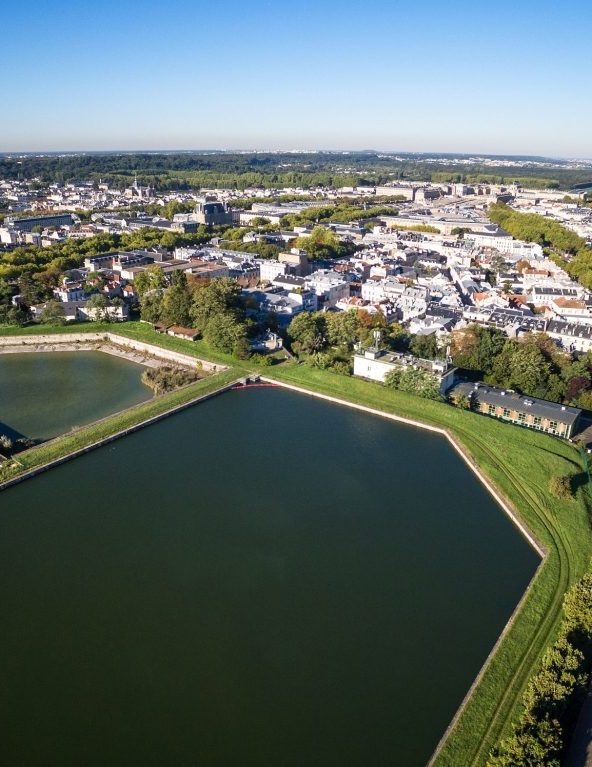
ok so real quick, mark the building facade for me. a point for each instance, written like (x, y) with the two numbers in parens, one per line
(531, 412)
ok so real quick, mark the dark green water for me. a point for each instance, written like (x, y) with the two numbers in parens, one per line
(265, 579)
(44, 395)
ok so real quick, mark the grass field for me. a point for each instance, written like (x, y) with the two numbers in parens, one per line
(518, 461)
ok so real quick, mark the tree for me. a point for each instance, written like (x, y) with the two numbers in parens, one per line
(425, 347)
(416, 381)
(14, 315)
(220, 296)
(324, 243)
(477, 348)
(576, 386)
(29, 290)
(6, 292)
(523, 367)
(97, 306)
(152, 278)
(53, 314)
(307, 332)
(151, 306)
(560, 487)
(224, 332)
(242, 348)
(343, 328)
(176, 302)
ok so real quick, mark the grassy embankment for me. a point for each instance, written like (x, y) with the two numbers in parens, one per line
(518, 461)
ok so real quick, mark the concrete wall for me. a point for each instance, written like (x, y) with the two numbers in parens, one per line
(70, 339)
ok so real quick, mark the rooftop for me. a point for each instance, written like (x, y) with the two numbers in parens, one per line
(508, 398)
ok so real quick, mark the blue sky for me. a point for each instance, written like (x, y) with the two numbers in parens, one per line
(504, 77)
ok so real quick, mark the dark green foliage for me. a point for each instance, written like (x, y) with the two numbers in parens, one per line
(425, 347)
(220, 296)
(307, 332)
(176, 302)
(242, 348)
(322, 243)
(27, 261)
(264, 360)
(53, 314)
(225, 333)
(553, 695)
(415, 381)
(558, 239)
(476, 348)
(533, 365)
(151, 306)
(534, 228)
(9, 314)
(343, 328)
(185, 170)
(262, 249)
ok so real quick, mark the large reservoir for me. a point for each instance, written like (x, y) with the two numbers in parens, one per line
(264, 579)
(43, 395)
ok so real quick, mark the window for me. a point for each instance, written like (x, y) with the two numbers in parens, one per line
(521, 417)
(491, 409)
(506, 413)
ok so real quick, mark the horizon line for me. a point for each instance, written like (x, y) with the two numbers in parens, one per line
(238, 150)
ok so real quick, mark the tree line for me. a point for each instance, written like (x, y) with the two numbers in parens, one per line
(176, 170)
(46, 264)
(533, 365)
(216, 308)
(554, 695)
(569, 250)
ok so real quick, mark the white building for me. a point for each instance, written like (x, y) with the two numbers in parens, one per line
(329, 286)
(375, 365)
(270, 269)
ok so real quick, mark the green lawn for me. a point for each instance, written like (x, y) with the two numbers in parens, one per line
(518, 461)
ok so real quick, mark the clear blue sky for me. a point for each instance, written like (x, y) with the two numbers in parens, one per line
(492, 77)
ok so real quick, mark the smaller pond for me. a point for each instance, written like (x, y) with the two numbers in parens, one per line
(46, 394)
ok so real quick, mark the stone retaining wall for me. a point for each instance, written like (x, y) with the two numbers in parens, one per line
(70, 341)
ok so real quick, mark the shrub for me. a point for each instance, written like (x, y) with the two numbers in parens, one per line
(560, 487)
(167, 378)
(262, 359)
(344, 368)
